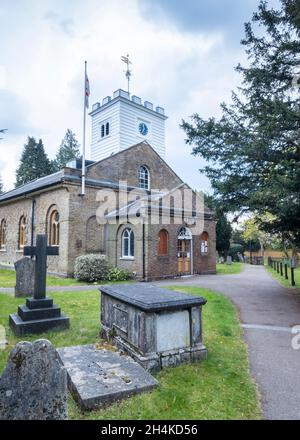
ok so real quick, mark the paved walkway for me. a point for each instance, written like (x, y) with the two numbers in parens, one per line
(267, 313)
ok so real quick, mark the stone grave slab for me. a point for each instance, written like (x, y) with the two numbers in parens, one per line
(33, 385)
(99, 376)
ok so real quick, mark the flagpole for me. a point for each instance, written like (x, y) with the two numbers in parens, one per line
(83, 141)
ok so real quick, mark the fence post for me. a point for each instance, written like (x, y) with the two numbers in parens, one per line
(277, 264)
(281, 271)
(286, 271)
(292, 277)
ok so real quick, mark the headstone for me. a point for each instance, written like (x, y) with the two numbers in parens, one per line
(33, 385)
(157, 327)
(24, 277)
(222, 260)
(229, 259)
(99, 376)
(39, 314)
(240, 257)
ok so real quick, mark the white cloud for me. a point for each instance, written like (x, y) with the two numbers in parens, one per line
(44, 60)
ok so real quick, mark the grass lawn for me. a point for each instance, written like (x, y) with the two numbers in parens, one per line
(282, 280)
(229, 269)
(8, 279)
(218, 388)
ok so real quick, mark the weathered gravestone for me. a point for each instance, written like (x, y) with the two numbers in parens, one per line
(34, 384)
(39, 314)
(229, 260)
(24, 277)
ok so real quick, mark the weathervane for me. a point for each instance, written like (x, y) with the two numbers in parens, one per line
(127, 71)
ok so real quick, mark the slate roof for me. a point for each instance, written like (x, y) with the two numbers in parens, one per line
(34, 185)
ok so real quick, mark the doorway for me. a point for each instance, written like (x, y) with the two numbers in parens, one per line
(184, 252)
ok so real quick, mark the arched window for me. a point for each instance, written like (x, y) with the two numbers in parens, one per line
(144, 177)
(22, 232)
(163, 242)
(204, 243)
(54, 228)
(107, 128)
(3, 234)
(102, 130)
(184, 234)
(128, 243)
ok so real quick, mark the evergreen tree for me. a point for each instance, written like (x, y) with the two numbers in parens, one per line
(223, 226)
(253, 151)
(68, 150)
(34, 162)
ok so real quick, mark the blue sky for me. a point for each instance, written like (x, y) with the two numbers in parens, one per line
(183, 53)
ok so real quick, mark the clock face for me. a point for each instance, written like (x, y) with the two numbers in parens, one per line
(143, 129)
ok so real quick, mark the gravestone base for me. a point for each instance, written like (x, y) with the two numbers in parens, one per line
(37, 316)
(154, 362)
(99, 377)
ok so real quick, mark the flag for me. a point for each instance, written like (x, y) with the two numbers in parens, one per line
(87, 90)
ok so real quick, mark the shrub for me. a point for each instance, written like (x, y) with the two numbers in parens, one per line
(115, 274)
(91, 268)
(234, 250)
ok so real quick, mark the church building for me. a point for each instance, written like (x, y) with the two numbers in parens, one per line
(135, 211)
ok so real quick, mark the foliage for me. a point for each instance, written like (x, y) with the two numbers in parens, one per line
(116, 274)
(223, 226)
(68, 151)
(253, 150)
(34, 162)
(91, 268)
(234, 250)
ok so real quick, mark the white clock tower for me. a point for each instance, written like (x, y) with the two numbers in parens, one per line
(120, 122)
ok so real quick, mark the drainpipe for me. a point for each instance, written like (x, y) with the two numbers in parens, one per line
(32, 220)
(144, 254)
(33, 205)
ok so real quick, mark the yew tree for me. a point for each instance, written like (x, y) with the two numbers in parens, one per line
(252, 152)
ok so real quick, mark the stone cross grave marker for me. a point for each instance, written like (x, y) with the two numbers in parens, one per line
(33, 385)
(40, 251)
(39, 314)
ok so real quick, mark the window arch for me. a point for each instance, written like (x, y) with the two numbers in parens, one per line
(184, 234)
(128, 243)
(107, 128)
(204, 243)
(3, 234)
(144, 177)
(22, 232)
(53, 228)
(163, 242)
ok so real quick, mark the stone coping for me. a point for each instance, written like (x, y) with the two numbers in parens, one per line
(151, 298)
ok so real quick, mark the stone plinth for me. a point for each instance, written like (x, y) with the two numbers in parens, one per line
(37, 316)
(157, 327)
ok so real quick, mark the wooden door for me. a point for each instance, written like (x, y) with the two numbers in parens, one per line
(184, 256)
